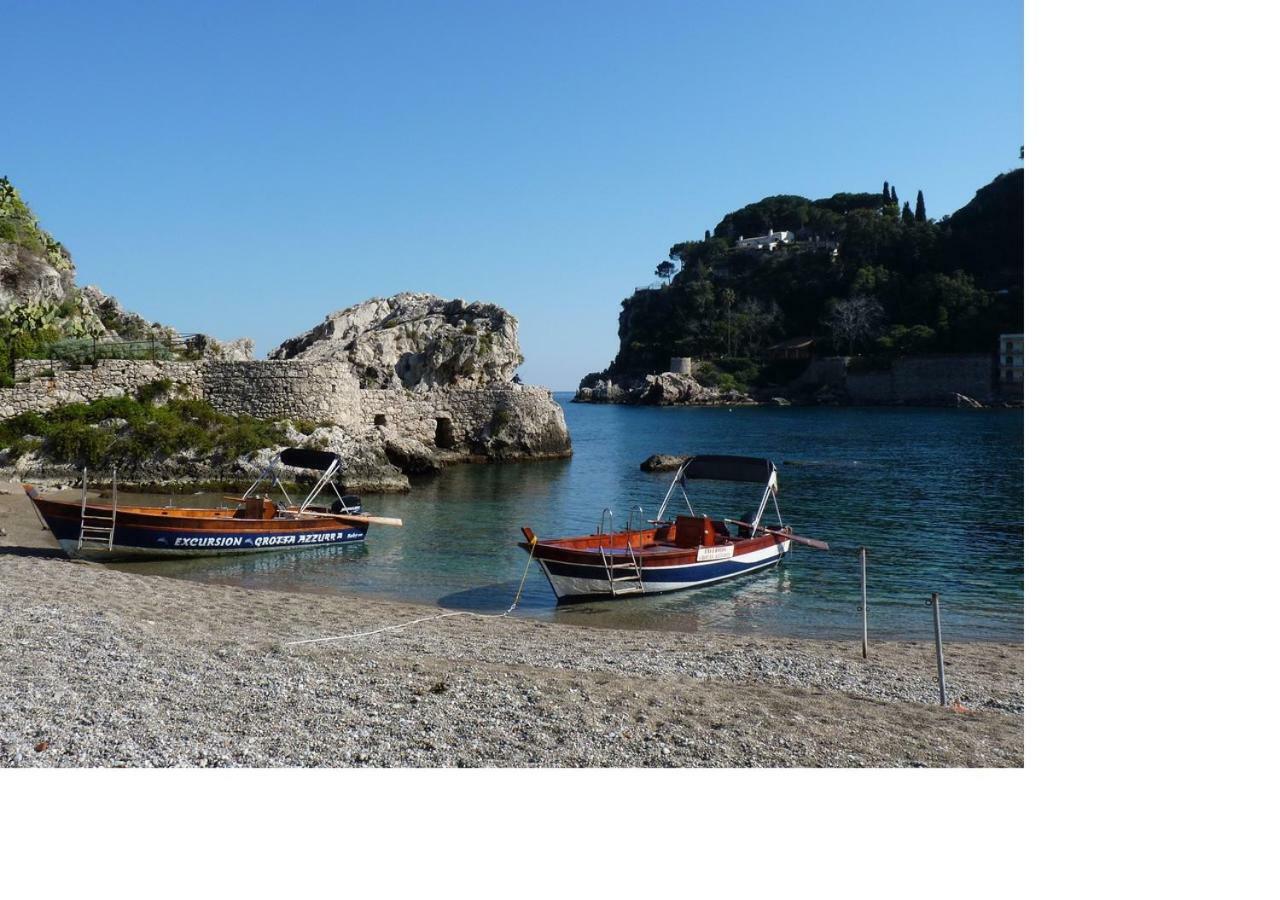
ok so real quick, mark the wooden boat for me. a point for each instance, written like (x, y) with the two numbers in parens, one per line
(116, 532)
(687, 551)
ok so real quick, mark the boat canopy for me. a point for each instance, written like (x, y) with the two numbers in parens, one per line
(301, 458)
(730, 468)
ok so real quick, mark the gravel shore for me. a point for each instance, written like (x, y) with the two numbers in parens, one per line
(104, 668)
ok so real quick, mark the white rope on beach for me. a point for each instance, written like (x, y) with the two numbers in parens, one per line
(460, 612)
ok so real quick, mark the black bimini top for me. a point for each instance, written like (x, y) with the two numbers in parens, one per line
(730, 468)
(301, 458)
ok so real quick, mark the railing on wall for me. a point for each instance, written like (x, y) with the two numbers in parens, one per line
(156, 347)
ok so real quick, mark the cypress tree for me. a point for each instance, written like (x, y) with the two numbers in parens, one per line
(893, 195)
(887, 198)
(906, 212)
(706, 235)
(920, 217)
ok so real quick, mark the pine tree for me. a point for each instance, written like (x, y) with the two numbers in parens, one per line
(906, 212)
(887, 199)
(920, 216)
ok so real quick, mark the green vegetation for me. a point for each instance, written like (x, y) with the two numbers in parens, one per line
(155, 390)
(18, 225)
(125, 431)
(865, 276)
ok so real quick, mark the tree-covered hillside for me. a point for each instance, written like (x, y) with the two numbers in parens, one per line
(865, 274)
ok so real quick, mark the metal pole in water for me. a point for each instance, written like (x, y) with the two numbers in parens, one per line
(936, 603)
(863, 554)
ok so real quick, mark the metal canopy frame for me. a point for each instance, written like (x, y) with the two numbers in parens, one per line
(727, 468)
(273, 469)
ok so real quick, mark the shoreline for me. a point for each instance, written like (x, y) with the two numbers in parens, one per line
(25, 532)
(102, 667)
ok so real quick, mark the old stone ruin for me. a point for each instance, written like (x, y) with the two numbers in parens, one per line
(398, 386)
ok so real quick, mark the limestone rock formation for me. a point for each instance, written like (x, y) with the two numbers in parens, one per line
(666, 389)
(26, 277)
(416, 341)
(436, 381)
(602, 391)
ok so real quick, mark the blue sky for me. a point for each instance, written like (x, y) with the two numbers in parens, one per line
(245, 168)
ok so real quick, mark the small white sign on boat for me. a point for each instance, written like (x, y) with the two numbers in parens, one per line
(706, 553)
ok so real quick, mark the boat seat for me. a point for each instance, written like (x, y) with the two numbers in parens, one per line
(694, 531)
(256, 508)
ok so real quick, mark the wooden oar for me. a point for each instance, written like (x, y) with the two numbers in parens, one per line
(372, 520)
(343, 517)
(808, 542)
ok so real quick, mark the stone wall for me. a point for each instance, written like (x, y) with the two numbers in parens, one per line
(420, 428)
(44, 384)
(926, 379)
(318, 391)
(909, 380)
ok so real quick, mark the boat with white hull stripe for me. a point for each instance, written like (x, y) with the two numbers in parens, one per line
(686, 552)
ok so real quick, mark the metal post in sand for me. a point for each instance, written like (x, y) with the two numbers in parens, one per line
(863, 553)
(936, 603)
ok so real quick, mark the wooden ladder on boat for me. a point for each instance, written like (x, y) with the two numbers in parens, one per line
(95, 528)
(631, 567)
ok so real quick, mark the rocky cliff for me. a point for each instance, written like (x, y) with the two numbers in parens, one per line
(437, 380)
(416, 341)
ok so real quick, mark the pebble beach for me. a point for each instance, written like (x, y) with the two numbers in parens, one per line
(106, 668)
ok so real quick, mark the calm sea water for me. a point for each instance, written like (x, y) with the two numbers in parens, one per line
(935, 494)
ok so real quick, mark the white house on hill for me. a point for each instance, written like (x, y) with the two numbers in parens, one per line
(766, 241)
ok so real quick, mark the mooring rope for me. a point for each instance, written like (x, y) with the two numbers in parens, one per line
(458, 612)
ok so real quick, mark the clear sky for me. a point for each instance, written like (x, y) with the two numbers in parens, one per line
(245, 168)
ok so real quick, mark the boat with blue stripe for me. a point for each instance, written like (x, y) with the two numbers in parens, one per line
(256, 523)
(663, 555)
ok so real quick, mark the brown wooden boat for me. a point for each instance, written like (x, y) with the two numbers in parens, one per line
(687, 551)
(256, 523)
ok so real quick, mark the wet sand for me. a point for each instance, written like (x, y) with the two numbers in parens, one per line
(100, 667)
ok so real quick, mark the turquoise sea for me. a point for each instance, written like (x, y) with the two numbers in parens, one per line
(936, 496)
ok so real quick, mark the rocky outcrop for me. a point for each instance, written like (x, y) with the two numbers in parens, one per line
(416, 341)
(663, 462)
(383, 434)
(666, 389)
(26, 277)
(437, 380)
(603, 390)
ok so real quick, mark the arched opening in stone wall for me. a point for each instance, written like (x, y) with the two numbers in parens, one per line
(444, 434)
(379, 420)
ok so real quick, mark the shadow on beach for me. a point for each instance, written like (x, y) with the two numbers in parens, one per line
(39, 552)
